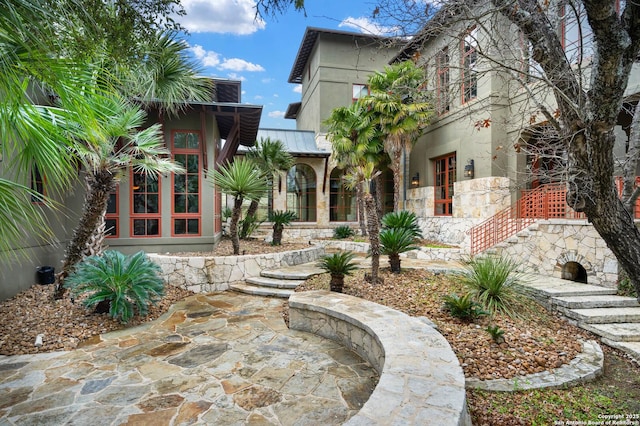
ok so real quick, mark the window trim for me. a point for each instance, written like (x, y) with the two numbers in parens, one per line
(353, 86)
(443, 201)
(467, 72)
(443, 66)
(136, 216)
(37, 185)
(315, 206)
(341, 193)
(187, 151)
(115, 216)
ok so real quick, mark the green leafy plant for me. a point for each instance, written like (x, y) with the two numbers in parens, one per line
(342, 232)
(248, 226)
(394, 241)
(464, 307)
(338, 265)
(226, 213)
(280, 219)
(496, 333)
(117, 283)
(492, 281)
(402, 220)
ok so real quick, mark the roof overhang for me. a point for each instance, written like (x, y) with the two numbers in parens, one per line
(292, 110)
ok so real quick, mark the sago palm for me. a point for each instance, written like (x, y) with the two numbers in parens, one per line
(338, 265)
(280, 219)
(242, 180)
(403, 220)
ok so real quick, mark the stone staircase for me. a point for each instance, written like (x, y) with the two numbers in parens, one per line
(280, 282)
(616, 319)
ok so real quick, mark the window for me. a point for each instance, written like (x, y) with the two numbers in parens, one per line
(577, 37)
(112, 218)
(469, 57)
(145, 205)
(342, 201)
(185, 216)
(442, 81)
(301, 192)
(359, 91)
(445, 176)
(37, 185)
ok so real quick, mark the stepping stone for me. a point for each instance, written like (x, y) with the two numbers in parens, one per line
(262, 291)
(631, 348)
(298, 272)
(620, 332)
(557, 287)
(603, 315)
(595, 301)
(274, 282)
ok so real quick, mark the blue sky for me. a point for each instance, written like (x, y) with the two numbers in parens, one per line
(228, 43)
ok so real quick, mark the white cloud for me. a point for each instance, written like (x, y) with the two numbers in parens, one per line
(297, 88)
(275, 95)
(237, 64)
(276, 114)
(258, 97)
(207, 57)
(234, 76)
(221, 16)
(366, 26)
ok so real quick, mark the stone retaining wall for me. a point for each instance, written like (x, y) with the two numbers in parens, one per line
(421, 381)
(204, 274)
(424, 253)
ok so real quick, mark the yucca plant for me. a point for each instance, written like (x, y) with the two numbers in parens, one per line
(117, 284)
(342, 232)
(464, 307)
(280, 219)
(492, 281)
(394, 241)
(339, 265)
(402, 220)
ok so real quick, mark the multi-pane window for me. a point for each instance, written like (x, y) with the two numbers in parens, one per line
(145, 205)
(576, 34)
(359, 91)
(445, 176)
(301, 192)
(469, 56)
(112, 217)
(342, 201)
(186, 184)
(442, 81)
(37, 185)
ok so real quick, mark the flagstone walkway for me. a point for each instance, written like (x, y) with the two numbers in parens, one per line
(214, 359)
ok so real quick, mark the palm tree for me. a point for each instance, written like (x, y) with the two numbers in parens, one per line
(338, 265)
(106, 155)
(271, 157)
(395, 241)
(240, 179)
(280, 219)
(354, 141)
(402, 111)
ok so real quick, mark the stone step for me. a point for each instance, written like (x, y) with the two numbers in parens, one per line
(262, 291)
(298, 272)
(595, 301)
(557, 287)
(631, 348)
(620, 332)
(602, 315)
(274, 282)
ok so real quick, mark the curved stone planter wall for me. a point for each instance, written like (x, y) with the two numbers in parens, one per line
(424, 253)
(421, 381)
(204, 274)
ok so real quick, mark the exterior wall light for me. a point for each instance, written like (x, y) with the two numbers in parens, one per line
(415, 181)
(469, 170)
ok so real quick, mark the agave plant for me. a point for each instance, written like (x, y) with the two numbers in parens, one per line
(402, 220)
(280, 219)
(338, 265)
(394, 241)
(115, 283)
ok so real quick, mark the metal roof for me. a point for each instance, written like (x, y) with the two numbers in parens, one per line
(292, 110)
(299, 143)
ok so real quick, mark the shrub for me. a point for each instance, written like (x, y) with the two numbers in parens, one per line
(492, 281)
(119, 281)
(338, 265)
(464, 308)
(342, 232)
(394, 241)
(496, 333)
(402, 220)
(280, 219)
(248, 226)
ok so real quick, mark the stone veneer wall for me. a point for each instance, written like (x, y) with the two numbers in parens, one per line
(204, 274)
(546, 246)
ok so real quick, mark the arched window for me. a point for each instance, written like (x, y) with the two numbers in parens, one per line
(301, 192)
(342, 201)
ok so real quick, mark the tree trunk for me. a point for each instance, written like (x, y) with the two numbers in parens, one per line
(251, 214)
(337, 283)
(394, 263)
(629, 190)
(99, 185)
(379, 200)
(374, 236)
(361, 220)
(395, 168)
(277, 234)
(233, 226)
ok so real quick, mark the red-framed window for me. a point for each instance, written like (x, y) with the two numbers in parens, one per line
(359, 91)
(37, 185)
(469, 58)
(575, 32)
(445, 176)
(443, 103)
(186, 217)
(301, 192)
(112, 218)
(145, 205)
